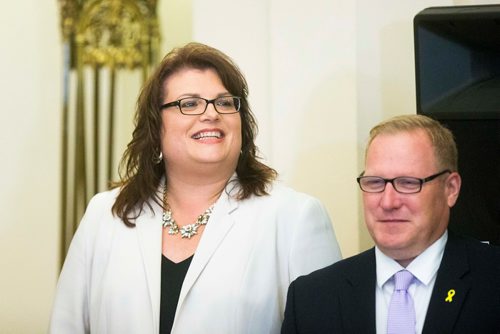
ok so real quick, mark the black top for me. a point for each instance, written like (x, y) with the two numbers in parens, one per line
(172, 276)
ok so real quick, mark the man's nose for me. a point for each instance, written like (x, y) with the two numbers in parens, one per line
(390, 197)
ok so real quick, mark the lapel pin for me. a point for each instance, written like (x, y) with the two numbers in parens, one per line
(451, 293)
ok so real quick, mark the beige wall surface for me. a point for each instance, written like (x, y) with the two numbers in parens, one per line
(30, 92)
(321, 74)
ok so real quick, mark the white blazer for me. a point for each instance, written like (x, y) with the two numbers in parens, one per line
(237, 282)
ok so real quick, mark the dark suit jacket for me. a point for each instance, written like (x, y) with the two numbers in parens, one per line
(341, 298)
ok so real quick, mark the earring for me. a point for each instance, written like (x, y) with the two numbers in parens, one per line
(157, 158)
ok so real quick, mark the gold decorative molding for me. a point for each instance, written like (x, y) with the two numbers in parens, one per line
(116, 33)
(101, 38)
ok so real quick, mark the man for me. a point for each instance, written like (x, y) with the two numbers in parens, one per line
(409, 184)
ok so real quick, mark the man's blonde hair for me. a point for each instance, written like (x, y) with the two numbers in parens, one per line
(445, 148)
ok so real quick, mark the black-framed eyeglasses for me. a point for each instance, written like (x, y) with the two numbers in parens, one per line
(402, 184)
(198, 105)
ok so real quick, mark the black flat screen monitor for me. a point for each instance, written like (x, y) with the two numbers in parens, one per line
(457, 63)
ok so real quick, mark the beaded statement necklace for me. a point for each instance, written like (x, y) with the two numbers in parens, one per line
(189, 230)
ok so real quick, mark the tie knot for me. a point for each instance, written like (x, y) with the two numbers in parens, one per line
(403, 279)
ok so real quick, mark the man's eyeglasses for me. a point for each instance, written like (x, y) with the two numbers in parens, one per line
(198, 105)
(402, 184)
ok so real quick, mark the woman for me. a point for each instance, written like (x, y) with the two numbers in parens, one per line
(197, 238)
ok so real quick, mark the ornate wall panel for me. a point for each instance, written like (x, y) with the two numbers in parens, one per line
(103, 40)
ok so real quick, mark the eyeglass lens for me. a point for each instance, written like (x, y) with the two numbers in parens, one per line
(198, 105)
(400, 184)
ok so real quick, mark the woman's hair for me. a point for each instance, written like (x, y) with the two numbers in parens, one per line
(140, 175)
(442, 140)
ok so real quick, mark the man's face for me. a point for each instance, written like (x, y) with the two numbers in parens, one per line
(404, 225)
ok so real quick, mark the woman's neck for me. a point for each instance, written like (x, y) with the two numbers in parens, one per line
(189, 191)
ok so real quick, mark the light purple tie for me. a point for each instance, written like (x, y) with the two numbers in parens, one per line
(401, 317)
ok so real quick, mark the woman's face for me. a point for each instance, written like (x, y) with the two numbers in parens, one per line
(198, 142)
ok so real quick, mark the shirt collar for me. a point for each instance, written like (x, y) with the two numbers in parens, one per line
(423, 267)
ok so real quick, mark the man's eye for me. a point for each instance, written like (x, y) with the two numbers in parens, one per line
(408, 182)
(375, 182)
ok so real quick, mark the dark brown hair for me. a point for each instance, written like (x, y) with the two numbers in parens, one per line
(140, 175)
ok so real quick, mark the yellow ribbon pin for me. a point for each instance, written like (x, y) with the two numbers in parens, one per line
(451, 293)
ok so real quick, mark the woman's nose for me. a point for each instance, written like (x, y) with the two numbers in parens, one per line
(210, 112)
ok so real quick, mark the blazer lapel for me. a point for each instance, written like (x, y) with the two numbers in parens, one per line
(215, 231)
(450, 289)
(358, 298)
(149, 234)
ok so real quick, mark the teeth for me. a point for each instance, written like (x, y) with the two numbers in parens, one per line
(215, 134)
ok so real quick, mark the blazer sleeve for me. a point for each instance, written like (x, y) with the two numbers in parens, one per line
(70, 312)
(314, 245)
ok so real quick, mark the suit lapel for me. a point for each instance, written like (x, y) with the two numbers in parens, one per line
(358, 298)
(450, 289)
(149, 234)
(215, 231)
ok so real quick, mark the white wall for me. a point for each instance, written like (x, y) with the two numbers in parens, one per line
(321, 74)
(385, 64)
(30, 131)
(385, 77)
(299, 60)
(30, 67)
(314, 105)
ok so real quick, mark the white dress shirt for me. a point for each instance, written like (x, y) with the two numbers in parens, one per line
(424, 267)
